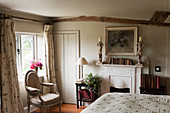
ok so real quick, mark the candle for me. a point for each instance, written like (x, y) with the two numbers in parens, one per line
(140, 39)
(100, 39)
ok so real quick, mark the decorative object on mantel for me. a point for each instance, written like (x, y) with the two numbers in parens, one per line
(139, 50)
(81, 61)
(100, 44)
(120, 61)
(121, 40)
(35, 65)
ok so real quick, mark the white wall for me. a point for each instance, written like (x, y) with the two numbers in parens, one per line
(27, 26)
(155, 51)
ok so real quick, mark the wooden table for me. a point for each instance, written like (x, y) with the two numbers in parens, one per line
(78, 87)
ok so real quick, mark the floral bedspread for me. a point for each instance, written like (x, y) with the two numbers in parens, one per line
(129, 103)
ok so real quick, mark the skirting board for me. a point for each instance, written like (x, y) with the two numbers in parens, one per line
(32, 108)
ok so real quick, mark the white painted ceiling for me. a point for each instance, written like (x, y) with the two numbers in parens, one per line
(138, 9)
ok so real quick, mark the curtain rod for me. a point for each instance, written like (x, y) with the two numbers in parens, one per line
(34, 20)
(2, 16)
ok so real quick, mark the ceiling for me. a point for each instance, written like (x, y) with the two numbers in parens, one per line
(138, 9)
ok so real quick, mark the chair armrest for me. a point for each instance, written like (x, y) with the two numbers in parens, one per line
(35, 90)
(32, 89)
(47, 84)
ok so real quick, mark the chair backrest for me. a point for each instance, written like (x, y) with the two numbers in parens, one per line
(32, 80)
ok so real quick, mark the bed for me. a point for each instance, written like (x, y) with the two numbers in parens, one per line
(129, 103)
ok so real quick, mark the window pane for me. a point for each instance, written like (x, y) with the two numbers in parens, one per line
(27, 52)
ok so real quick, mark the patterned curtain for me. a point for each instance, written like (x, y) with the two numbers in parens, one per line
(49, 57)
(10, 86)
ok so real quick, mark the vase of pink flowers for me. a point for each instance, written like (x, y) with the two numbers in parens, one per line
(35, 65)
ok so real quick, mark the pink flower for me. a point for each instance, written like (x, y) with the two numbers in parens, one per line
(39, 64)
(36, 64)
(32, 66)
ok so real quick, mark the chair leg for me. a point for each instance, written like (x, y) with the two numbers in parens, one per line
(80, 103)
(60, 107)
(40, 110)
(44, 110)
(28, 108)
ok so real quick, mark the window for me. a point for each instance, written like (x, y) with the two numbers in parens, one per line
(29, 46)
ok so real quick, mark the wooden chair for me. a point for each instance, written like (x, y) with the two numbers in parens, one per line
(32, 86)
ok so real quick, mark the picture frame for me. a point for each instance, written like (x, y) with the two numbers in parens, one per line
(121, 40)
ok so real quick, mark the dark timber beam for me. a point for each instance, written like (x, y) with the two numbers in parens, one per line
(111, 19)
(160, 16)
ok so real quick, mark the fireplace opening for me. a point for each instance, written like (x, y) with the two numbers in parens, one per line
(119, 90)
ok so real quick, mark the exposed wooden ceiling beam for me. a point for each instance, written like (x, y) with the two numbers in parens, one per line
(160, 16)
(111, 19)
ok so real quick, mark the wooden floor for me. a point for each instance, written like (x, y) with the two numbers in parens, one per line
(65, 108)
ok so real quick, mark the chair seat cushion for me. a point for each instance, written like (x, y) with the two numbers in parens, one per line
(48, 98)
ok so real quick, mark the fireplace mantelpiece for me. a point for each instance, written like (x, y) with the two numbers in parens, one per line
(120, 76)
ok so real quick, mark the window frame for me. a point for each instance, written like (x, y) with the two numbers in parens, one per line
(19, 52)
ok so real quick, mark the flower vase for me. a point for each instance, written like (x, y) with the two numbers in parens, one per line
(36, 70)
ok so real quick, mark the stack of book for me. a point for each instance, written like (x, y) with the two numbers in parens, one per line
(148, 81)
(80, 81)
(120, 61)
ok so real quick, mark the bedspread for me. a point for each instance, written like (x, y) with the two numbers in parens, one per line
(129, 103)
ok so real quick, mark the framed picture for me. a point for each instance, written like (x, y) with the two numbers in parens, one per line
(121, 40)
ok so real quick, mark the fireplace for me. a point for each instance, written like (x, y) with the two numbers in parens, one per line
(120, 76)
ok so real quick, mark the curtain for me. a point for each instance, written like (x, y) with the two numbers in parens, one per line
(10, 86)
(49, 57)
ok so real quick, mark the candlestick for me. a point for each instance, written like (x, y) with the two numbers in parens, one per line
(100, 38)
(139, 50)
(140, 39)
(100, 45)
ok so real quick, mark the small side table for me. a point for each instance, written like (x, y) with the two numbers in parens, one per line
(78, 87)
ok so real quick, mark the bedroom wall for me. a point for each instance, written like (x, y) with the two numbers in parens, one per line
(28, 27)
(155, 51)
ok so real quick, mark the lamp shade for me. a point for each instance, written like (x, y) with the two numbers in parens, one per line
(82, 61)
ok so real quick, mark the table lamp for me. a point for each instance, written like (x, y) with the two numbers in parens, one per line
(81, 61)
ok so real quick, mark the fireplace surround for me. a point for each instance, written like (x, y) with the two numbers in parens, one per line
(120, 76)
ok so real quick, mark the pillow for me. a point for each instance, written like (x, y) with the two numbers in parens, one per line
(84, 93)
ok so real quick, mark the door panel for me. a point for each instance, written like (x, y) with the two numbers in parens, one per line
(67, 53)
